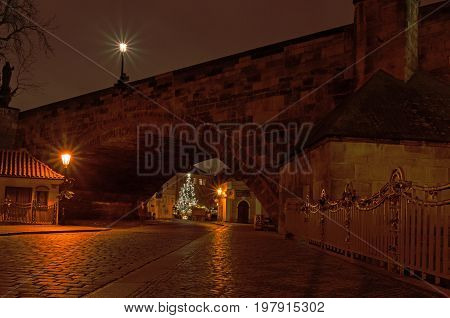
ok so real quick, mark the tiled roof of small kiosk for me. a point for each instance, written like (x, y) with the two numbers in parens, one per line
(21, 164)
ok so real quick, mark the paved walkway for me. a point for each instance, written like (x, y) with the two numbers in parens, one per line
(239, 262)
(75, 264)
(182, 259)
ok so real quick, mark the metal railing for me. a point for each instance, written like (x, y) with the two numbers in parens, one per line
(403, 227)
(28, 213)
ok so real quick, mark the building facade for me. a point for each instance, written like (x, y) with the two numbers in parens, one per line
(28, 189)
(236, 203)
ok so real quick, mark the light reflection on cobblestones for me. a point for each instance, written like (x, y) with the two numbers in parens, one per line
(239, 262)
(75, 264)
(234, 261)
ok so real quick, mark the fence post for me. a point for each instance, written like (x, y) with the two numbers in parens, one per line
(33, 212)
(323, 220)
(348, 200)
(55, 213)
(393, 244)
(305, 211)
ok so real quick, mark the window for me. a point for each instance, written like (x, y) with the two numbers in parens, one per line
(18, 195)
(42, 198)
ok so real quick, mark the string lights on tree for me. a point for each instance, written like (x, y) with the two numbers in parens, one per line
(186, 197)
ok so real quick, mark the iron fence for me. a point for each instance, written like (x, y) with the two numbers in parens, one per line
(403, 227)
(28, 213)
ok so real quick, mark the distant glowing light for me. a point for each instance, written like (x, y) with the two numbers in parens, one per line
(122, 47)
(65, 158)
(219, 191)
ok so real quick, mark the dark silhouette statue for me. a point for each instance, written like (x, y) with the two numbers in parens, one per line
(5, 89)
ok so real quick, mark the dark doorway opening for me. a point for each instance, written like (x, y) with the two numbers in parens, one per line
(243, 212)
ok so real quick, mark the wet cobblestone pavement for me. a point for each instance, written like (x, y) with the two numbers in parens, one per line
(229, 261)
(239, 262)
(74, 264)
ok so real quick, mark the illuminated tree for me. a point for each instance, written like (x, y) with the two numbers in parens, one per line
(186, 197)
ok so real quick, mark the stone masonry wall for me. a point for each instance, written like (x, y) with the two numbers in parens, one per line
(336, 163)
(367, 165)
(434, 42)
(9, 121)
(249, 86)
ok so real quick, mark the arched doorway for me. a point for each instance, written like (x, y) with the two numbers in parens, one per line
(243, 212)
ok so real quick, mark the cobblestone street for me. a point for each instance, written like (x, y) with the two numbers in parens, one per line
(74, 264)
(229, 261)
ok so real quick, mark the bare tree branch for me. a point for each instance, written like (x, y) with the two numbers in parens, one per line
(22, 36)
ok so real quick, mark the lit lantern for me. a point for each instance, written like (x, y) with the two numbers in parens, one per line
(122, 47)
(65, 158)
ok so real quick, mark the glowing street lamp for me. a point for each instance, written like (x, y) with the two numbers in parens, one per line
(65, 158)
(221, 193)
(65, 192)
(123, 49)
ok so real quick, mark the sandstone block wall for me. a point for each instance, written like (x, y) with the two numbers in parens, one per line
(9, 121)
(368, 166)
(434, 42)
(249, 86)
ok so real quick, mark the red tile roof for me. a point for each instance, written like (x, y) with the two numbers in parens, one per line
(21, 164)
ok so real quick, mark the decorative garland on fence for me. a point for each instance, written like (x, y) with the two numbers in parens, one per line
(397, 187)
(391, 192)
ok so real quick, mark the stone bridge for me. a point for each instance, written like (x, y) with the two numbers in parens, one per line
(298, 80)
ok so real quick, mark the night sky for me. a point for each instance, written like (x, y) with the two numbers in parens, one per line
(163, 35)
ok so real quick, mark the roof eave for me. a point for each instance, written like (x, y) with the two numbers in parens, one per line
(32, 178)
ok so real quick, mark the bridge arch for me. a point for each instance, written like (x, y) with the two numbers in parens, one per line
(107, 158)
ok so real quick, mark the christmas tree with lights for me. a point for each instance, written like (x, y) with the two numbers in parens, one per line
(186, 197)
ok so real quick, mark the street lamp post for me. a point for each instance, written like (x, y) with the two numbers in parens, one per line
(122, 49)
(220, 195)
(65, 159)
